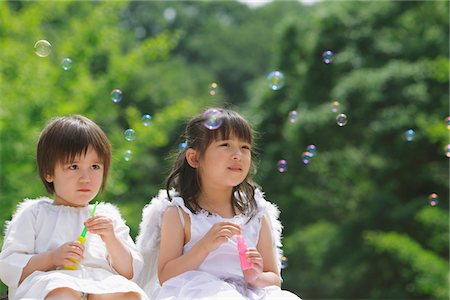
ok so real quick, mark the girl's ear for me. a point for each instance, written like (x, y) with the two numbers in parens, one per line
(49, 178)
(191, 157)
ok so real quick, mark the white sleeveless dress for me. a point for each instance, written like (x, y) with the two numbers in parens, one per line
(220, 275)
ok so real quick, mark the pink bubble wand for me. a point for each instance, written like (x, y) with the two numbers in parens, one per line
(242, 249)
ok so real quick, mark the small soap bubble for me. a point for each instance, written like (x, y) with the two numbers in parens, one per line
(306, 157)
(327, 56)
(434, 199)
(335, 106)
(282, 166)
(213, 89)
(116, 95)
(182, 146)
(447, 151)
(146, 119)
(213, 119)
(129, 134)
(448, 123)
(341, 119)
(311, 149)
(127, 155)
(292, 116)
(409, 135)
(42, 48)
(66, 64)
(276, 80)
(284, 263)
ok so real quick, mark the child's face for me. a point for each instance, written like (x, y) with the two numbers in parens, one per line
(225, 162)
(77, 182)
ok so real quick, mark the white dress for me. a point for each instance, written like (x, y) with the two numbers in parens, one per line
(220, 275)
(39, 226)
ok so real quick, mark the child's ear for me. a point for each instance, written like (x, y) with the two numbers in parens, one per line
(49, 178)
(191, 157)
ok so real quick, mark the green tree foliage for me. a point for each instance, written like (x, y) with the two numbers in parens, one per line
(357, 219)
(358, 223)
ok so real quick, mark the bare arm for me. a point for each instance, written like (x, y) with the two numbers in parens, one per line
(265, 268)
(52, 259)
(119, 254)
(172, 261)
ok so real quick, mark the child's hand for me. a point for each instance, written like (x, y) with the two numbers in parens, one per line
(101, 225)
(255, 258)
(64, 253)
(219, 234)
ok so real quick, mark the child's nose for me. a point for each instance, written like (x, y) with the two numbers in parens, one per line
(85, 176)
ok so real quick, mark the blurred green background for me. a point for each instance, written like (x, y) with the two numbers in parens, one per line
(358, 219)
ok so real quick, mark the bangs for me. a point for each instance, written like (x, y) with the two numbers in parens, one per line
(235, 126)
(77, 142)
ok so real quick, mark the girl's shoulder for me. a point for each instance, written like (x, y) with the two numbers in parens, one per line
(31, 205)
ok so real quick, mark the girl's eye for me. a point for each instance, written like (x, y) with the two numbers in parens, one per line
(224, 144)
(73, 167)
(246, 147)
(96, 167)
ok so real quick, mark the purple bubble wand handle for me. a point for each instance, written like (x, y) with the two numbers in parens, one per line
(242, 248)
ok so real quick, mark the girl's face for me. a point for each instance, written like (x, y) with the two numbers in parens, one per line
(77, 182)
(225, 163)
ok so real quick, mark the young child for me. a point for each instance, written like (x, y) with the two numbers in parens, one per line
(41, 257)
(210, 201)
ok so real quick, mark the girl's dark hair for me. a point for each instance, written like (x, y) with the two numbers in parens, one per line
(185, 179)
(63, 139)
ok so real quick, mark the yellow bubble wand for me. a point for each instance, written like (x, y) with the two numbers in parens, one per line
(82, 239)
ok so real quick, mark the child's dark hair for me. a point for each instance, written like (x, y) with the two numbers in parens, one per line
(185, 179)
(63, 139)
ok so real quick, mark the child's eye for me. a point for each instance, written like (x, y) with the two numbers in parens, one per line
(96, 167)
(224, 144)
(247, 147)
(73, 167)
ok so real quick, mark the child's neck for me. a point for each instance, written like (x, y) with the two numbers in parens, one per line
(217, 203)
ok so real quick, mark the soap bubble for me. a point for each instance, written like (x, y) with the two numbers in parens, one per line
(409, 135)
(127, 155)
(213, 119)
(311, 149)
(327, 56)
(306, 157)
(282, 166)
(182, 146)
(146, 119)
(213, 89)
(116, 95)
(129, 134)
(276, 80)
(434, 199)
(341, 119)
(292, 116)
(335, 106)
(66, 64)
(42, 48)
(284, 263)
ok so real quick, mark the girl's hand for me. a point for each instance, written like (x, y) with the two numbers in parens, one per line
(219, 234)
(254, 257)
(62, 255)
(101, 225)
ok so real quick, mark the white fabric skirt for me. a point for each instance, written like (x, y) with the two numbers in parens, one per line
(86, 280)
(197, 285)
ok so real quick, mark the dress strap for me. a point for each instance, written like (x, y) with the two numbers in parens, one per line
(180, 213)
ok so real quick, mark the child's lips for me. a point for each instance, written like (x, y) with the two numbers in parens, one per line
(235, 168)
(84, 190)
